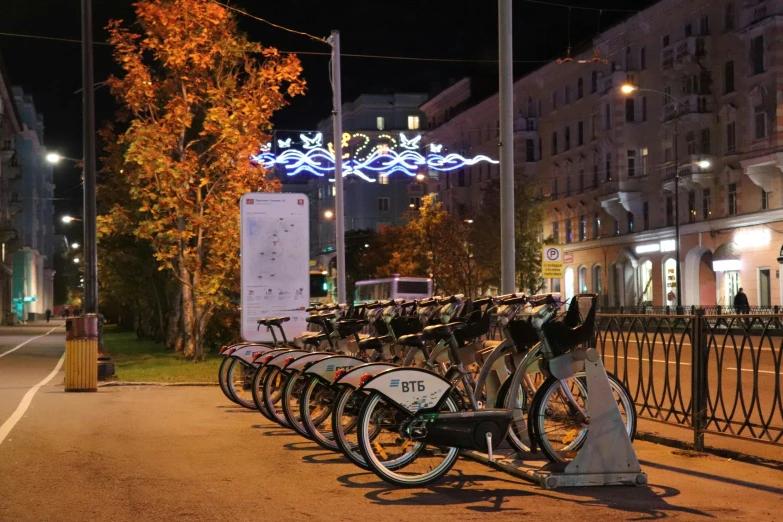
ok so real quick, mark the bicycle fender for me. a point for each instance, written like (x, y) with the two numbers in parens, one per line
(270, 354)
(353, 377)
(247, 352)
(279, 360)
(411, 388)
(328, 366)
(300, 362)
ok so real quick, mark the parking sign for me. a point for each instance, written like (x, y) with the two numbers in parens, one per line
(552, 261)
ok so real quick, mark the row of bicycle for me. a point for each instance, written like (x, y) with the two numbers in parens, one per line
(426, 383)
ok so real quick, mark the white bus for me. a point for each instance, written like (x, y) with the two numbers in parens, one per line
(407, 288)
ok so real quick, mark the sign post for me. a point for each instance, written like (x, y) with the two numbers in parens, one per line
(552, 261)
(275, 242)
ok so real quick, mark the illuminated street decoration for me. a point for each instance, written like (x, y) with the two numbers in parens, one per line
(312, 143)
(284, 144)
(382, 159)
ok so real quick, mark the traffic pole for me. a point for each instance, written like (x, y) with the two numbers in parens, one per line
(506, 146)
(339, 208)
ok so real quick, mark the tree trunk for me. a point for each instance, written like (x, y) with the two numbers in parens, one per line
(192, 338)
(174, 330)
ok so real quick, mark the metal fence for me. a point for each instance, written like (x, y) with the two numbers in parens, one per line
(713, 373)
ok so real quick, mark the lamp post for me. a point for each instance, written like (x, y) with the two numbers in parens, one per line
(628, 89)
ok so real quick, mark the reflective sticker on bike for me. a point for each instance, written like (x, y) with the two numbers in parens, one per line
(379, 450)
(570, 436)
(407, 444)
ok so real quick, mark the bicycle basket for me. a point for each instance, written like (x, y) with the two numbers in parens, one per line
(523, 333)
(567, 333)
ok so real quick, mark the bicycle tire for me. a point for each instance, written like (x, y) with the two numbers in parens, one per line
(315, 394)
(274, 381)
(223, 378)
(292, 393)
(242, 400)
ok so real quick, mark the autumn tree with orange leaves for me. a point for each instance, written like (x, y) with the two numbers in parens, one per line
(196, 101)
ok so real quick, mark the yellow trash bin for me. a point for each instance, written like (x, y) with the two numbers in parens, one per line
(81, 354)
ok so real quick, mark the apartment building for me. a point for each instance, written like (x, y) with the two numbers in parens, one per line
(705, 116)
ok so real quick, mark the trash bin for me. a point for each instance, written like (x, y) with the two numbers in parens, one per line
(81, 354)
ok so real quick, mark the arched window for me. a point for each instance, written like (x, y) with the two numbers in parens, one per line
(569, 282)
(597, 279)
(645, 273)
(583, 280)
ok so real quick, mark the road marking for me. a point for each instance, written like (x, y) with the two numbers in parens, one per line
(689, 364)
(27, 341)
(16, 416)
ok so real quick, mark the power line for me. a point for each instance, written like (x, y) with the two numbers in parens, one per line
(277, 26)
(584, 8)
(56, 39)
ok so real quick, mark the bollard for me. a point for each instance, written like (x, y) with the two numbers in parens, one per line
(81, 354)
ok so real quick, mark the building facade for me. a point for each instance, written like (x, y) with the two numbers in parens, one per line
(33, 192)
(704, 118)
(10, 171)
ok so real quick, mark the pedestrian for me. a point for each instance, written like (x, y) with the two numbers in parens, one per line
(48, 315)
(741, 304)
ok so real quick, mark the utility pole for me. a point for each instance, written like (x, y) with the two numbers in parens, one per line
(90, 304)
(677, 210)
(506, 145)
(339, 207)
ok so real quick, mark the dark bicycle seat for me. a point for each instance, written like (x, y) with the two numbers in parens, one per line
(315, 340)
(414, 340)
(442, 331)
(375, 343)
(273, 321)
(351, 326)
(568, 334)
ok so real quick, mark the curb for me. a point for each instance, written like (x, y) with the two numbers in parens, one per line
(125, 384)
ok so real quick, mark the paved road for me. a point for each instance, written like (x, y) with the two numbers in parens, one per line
(165, 453)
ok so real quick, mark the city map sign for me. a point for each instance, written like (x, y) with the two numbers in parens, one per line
(552, 261)
(275, 262)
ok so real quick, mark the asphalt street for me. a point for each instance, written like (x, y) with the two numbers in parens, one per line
(186, 453)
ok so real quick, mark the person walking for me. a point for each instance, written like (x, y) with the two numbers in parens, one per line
(741, 304)
(48, 315)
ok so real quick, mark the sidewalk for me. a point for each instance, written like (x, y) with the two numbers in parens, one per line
(160, 453)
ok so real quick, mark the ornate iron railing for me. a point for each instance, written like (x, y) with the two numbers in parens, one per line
(718, 375)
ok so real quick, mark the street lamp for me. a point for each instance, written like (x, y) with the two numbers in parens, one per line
(419, 177)
(55, 158)
(68, 219)
(74, 245)
(628, 89)
(328, 214)
(76, 260)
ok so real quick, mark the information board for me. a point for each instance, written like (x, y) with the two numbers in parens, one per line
(552, 261)
(275, 263)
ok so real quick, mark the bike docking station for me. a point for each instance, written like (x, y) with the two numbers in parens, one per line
(607, 457)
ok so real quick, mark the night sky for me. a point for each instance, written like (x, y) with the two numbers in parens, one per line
(461, 29)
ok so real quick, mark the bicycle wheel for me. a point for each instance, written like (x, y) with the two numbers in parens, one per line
(240, 376)
(345, 416)
(274, 380)
(394, 456)
(558, 425)
(257, 389)
(292, 393)
(315, 412)
(223, 378)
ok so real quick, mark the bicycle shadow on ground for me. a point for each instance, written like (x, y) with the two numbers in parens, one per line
(304, 445)
(328, 457)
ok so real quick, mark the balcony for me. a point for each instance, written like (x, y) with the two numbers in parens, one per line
(755, 14)
(686, 52)
(692, 175)
(616, 79)
(692, 107)
(526, 127)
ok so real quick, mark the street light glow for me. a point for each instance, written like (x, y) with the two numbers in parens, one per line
(627, 88)
(75, 259)
(704, 164)
(328, 214)
(74, 245)
(420, 177)
(53, 157)
(68, 219)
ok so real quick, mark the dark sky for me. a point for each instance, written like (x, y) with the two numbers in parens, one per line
(459, 29)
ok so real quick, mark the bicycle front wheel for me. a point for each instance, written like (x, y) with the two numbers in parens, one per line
(240, 377)
(223, 378)
(292, 394)
(274, 381)
(392, 454)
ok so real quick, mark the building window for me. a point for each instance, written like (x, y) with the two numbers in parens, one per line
(556, 285)
(383, 204)
(569, 235)
(669, 211)
(642, 59)
(580, 133)
(596, 226)
(607, 117)
(760, 124)
(732, 199)
(691, 207)
(665, 41)
(383, 179)
(731, 138)
(567, 139)
(704, 26)
(580, 88)
(764, 200)
(413, 122)
(540, 149)
(595, 176)
(631, 163)
(380, 122)
(728, 77)
(646, 215)
(690, 142)
(706, 204)
(608, 166)
(757, 55)
(728, 21)
(568, 184)
(630, 223)
(567, 94)
(688, 30)
(461, 178)
(593, 82)
(705, 141)
(554, 143)
(645, 162)
(644, 108)
(594, 126)
(554, 100)
(554, 188)
(630, 110)
(414, 203)
(582, 228)
(556, 231)
(597, 287)
(530, 151)
(616, 227)
(581, 181)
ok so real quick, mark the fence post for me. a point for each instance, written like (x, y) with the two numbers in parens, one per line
(699, 356)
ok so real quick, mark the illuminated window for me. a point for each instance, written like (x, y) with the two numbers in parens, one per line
(380, 122)
(383, 179)
(413, 122)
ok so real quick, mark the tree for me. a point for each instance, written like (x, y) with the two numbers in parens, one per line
(485, 236)
(197, 98)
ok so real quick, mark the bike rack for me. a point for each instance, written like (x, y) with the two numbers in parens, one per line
(607, 457)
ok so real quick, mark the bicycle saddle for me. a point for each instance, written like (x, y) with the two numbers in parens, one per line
(273, 321)
(315, 340)
(351, 326)
(375, 343)
(414, 340)
(442, 331)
